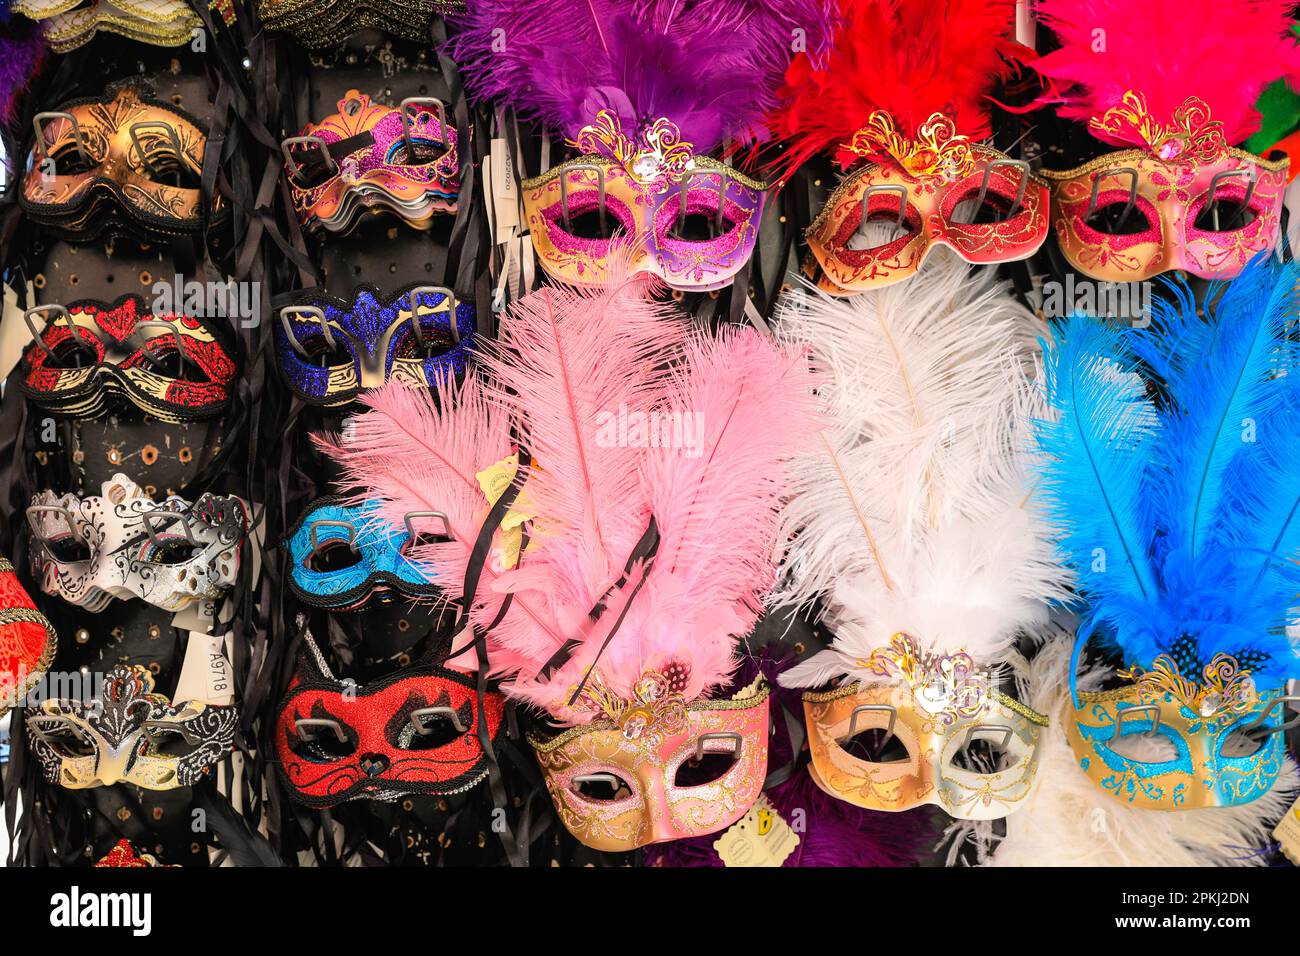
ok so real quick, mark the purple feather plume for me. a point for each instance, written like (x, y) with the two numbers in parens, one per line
(22, 49)
(710, 66)
(838, 833)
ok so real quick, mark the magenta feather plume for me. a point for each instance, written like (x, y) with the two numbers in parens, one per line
(629, 417)
(22, 51)
(1223, 51)
(835, 833)
(710, 66)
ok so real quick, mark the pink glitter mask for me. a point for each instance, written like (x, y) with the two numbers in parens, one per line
(367, 156)
(693, 770)
(688, 219)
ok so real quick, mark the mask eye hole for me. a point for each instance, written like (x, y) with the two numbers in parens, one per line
(586, 224)
(68, 549)
(985, 750)
(875, 745)
(712, 766)
(331, 556)
(71, 161)
(172, 551)
(1240, 744)
(1224, 214)
(1144, 747)
(321, 740)
(431, 728)
(66, 739)
(1118, 219)
(994, 209)
(604, 787)
(164, 741)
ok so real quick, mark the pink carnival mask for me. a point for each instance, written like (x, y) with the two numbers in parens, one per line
(1183, 200)
(688, 219)
(663, 770)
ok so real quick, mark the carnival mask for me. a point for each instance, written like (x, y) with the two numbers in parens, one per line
(329, 349)
(167, 365)
(129, 735)
(27, 641)
(368, 157)
(414, 731)
(117, 164)
(123, 544)
(1172, 742)
(340, 556)
(68, 25)
(1185, 200)
(884, 219)
(663, 770)
(690, 220)
(940, 736)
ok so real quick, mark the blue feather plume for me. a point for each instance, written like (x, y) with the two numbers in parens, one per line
(1099, 452)
(1219, 509)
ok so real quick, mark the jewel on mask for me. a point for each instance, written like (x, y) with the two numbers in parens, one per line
(949, 687)
(658, 155)
(1191, 137)
(1226, 689)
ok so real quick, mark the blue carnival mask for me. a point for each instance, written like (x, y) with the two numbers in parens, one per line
(329, 349)
(340, 556)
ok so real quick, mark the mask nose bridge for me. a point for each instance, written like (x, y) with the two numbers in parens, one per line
(657, 817)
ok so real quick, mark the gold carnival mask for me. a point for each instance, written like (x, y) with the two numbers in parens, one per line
(937, 735)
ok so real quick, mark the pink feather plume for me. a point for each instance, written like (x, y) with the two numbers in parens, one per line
(620, 435)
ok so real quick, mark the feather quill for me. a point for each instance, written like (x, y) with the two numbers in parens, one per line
(913, 513)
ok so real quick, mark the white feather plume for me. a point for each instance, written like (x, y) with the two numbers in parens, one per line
(915, 514)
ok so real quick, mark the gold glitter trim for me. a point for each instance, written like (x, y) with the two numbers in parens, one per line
(848, 690)
(701, 162)
(5, 566)
(745, 699)
(1129, 156)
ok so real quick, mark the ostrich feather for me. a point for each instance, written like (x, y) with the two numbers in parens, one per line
(914, 513)
(595, 491)
(897, 56)
(1069, 821)
(1161, 51)
(411, 450)
(1097, 459)
(711, 69)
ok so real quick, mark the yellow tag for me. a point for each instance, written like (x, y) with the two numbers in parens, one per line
(1287, 833)
(759, 838)
(494, 480)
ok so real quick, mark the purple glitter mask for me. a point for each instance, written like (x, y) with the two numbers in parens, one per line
(690, 220)
(330, 349)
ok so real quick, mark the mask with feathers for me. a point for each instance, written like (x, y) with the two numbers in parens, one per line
(1179, 520)
(1176, 194)
(659, 456)
(915, 527)
(645, 91)
(902, 107)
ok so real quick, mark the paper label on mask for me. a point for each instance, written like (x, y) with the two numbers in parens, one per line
(205, 672)
(14, 333)
(505, 193)
(759, 838)
(1287, 833)
(494, 480)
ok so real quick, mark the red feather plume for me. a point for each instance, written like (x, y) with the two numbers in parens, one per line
(911, 58)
